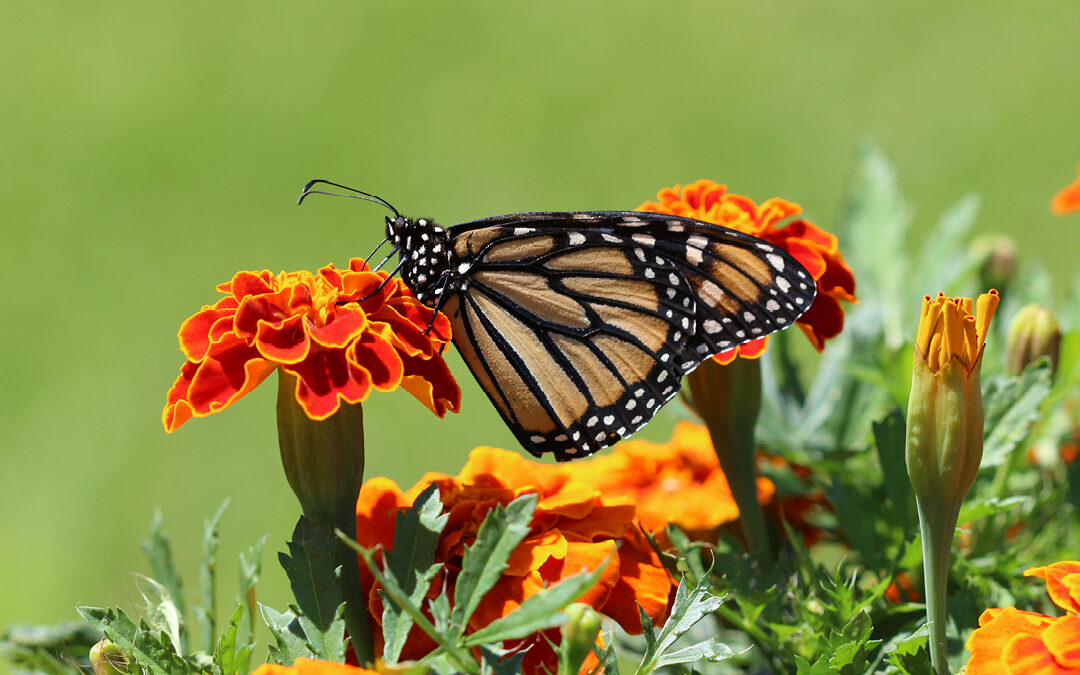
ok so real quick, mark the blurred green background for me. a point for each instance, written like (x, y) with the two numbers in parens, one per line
(150, 150)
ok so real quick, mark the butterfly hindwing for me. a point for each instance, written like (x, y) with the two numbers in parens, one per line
(579, 326)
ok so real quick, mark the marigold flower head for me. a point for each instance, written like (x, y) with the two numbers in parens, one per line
(1068, 199)
(1014, 642)
(575, 526)
(817, 250)
(338, 352)
(678, 482)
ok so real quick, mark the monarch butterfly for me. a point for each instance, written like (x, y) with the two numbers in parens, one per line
(580, 325)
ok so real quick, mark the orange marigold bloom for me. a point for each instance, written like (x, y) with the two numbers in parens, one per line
(338, 352)
(1014, 642)
(312, 667)
(575, 526)
(678, 482)
(816, 249)
(1068, 200)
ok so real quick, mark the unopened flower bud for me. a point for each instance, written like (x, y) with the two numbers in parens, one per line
(1034, 333)
(323, 459)
(996, 255)
(945, 436)
(579, 633)
(108, 659)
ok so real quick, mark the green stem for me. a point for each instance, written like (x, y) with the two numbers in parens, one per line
(937, 522)
(728, 398)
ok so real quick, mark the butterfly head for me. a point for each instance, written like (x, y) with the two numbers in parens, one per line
(424, 250)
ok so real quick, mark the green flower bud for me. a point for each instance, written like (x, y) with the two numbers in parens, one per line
(108, 659)
(323, 460)
(1033, 333)
(945, 436)
(728, 398)
(996, 256)
(579, 633)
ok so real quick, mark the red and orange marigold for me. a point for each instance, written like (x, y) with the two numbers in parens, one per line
(294, 321)
(1010, 641)
(816, 249)
(575, 526)
(678, 482)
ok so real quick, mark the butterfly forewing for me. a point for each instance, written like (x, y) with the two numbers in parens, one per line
(580, 325)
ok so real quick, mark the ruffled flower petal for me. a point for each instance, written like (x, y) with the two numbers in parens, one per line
(1062, 583)
(321, 327)
(1068, 199)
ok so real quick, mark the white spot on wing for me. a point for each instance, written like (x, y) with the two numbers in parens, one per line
(576, 238)
(776, 261)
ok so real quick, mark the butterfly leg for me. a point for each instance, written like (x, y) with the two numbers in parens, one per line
(439, 303)
(377, 289)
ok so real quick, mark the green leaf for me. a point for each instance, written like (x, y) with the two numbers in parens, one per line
(327, 642)
(250, 571)
(984, 508)
(690, 606)
(416, 537)
(944, 257)
(52, 650)
(1011, 408)
(873, 223)
(497, 661)
(711, 650)
(396, 624)
(161, 612)
(229, 659)
(889, 441)
(150, 649)
(500, 533)
(158, 552)
(908, 654)
(310, 566)
(288, 636)
(206, 614)
(539, 611)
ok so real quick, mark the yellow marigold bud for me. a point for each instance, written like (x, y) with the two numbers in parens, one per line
(945, 436)
(945, 412)
(579, 633)
(1033, 333)
(108, 659)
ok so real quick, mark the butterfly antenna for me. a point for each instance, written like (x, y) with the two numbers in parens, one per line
(360, 194)
(376, 250)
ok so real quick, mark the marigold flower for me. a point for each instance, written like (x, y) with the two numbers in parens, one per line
(678, 482)
(338, 352)
(312, 667)
(1014, 642)
(575, 526)
(1068, 199)
(816, 249)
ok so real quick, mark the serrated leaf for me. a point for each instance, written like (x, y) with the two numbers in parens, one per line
(889, 441)
(147, 647)
(327, 642)
(711, 650)
(500, 533)
(206, 614)
(539, 611)
(1011, 408)
(288, 636)
(396, 624)
(416, 537)
(608, 659)
(158, 552)
(161, 611)
(310, 566)
(690, 606)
